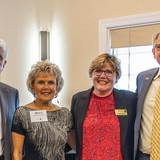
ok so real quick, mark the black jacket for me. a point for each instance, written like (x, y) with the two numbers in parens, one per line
(123, 100)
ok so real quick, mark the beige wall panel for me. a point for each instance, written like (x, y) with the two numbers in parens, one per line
(77, 20)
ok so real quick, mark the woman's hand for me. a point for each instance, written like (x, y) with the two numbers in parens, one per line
(18, 142)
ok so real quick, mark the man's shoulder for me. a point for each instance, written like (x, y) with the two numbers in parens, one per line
(83, 93)
(6, 86)
(149, 71)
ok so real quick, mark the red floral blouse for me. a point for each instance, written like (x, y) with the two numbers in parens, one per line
(101, 131)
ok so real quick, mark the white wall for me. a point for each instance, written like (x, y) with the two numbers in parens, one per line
(20, 22)
(74, 36)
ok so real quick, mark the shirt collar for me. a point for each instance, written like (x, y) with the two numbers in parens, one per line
(157, 75)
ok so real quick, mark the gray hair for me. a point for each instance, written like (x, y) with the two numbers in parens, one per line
(44, 67)
(4, 47)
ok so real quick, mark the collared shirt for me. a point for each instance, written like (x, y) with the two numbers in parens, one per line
(147, 115)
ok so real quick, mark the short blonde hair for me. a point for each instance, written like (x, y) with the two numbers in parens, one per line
(103, 58)
(46, 67)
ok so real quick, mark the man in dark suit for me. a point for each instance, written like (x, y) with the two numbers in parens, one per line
(148, 83)
(9, 100)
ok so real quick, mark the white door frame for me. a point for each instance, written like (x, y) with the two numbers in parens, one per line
(120, 22)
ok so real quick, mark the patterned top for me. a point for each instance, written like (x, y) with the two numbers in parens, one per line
(43, 140)
(101, 130)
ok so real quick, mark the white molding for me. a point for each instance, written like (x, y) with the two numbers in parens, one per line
(121, 22)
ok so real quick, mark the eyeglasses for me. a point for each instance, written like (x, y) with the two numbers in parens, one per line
(108, 73)
(157, 46)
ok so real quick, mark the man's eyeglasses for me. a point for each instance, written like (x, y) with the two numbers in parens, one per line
(108, 73)
(157, 46)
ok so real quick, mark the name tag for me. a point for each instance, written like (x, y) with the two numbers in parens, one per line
(121, 112)
(38, 116)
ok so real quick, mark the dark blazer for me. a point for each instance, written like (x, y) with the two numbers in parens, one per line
(9, 101)
(144, 80)
(123, 99)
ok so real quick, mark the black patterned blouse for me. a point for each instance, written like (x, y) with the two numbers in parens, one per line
(43, 140)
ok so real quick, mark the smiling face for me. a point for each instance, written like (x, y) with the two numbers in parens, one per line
(103, 80)
(45, 87)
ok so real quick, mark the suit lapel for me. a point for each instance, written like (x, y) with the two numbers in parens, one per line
(84, 106)
(4, 110)
(146, 82)
(123, 119)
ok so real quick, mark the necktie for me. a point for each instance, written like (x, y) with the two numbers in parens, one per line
(155, 141)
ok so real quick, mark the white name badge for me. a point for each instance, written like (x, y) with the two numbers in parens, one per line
(38, 116)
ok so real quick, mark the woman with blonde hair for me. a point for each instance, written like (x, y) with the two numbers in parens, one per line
(40, 127)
